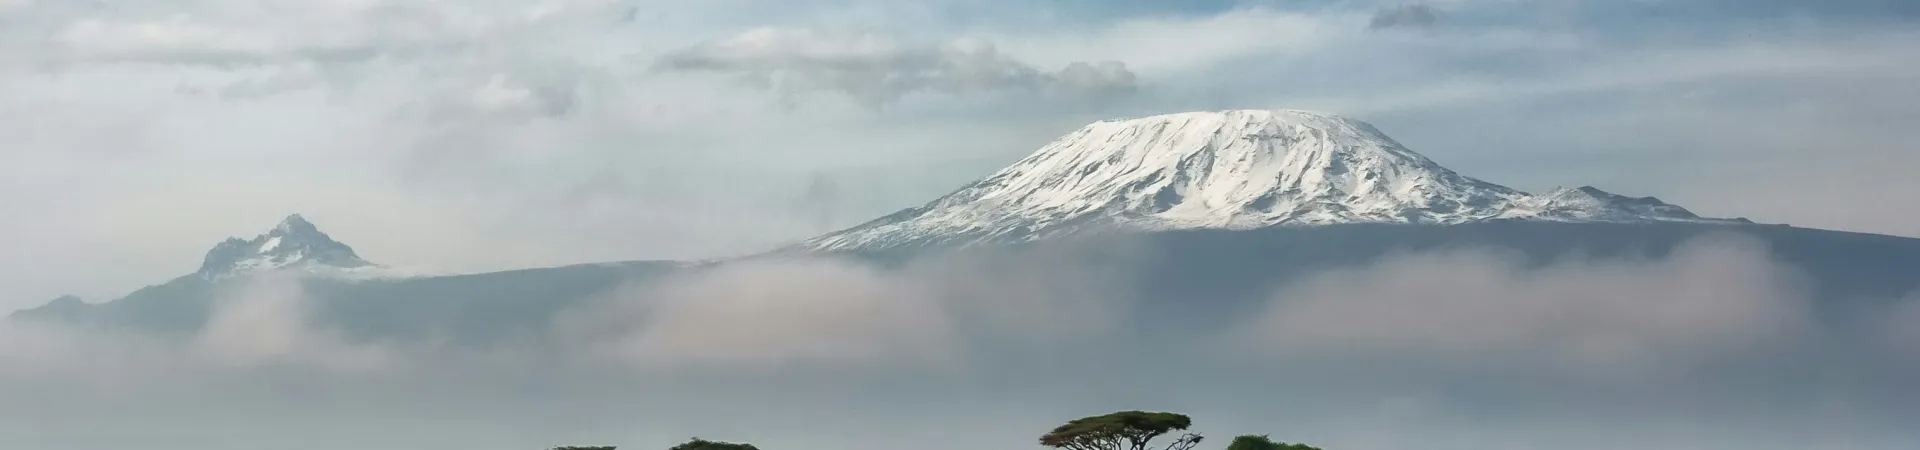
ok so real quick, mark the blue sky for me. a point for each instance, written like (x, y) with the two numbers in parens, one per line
(483, 134)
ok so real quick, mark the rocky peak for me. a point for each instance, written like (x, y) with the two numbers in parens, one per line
(294, 242)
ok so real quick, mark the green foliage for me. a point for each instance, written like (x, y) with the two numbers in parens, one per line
(1261, 442)
(1125, 430)
(703, 444)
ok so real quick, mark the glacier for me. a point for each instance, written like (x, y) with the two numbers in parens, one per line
(1234, 169)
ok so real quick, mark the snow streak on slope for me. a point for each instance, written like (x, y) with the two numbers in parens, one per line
(1238, 169)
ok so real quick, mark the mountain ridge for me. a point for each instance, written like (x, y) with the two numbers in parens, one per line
(1199, 252)
(1232, 169)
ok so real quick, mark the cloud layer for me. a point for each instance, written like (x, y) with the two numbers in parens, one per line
(1714, 335)
(1712, 298)
(1405, 16)
(876, 69)
(767, 314)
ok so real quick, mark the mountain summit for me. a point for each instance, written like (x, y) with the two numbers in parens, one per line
(295, 243)
(1238, 169)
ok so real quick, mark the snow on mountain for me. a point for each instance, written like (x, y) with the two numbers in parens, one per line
(294, 245)
(1239, 169)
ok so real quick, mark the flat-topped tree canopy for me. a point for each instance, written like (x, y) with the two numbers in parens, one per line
(1125, 430)
(703, 444)
(1262, 442)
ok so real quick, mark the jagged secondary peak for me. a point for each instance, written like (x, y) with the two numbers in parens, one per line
(1233, 169)
(295, 242)
(1590, 204)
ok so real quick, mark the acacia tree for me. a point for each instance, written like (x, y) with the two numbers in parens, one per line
(1125, 430)
(1262, 442)
(703, 444)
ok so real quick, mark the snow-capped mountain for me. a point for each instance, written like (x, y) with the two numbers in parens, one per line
(295, 244)
(1238, 169)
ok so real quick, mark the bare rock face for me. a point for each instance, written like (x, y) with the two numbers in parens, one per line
(294, 244)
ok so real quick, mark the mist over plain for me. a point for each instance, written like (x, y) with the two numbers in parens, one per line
(1715, 344)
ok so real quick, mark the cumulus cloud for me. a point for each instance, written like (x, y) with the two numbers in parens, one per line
(502, 95)
(266, 323)
(769, 314)
(878, 69)
(1405, 16)
(203, 40)
(174, 38)
(263, 325)
(31, 353)
(1901, 329)
(1033, 295)
(1711, 298)
(7, 6)
(823, 312)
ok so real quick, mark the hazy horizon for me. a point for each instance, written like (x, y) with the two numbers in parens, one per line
(1715, 345)
(475, 136)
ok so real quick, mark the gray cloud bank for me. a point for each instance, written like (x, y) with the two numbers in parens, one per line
(773, 313)
(1405, 16)
(876, 69)
(1714, 346)
(1713, 297)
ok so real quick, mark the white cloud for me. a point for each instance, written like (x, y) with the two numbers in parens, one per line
(766, 316)
(1711, 298)
(1412, 15)
(8, 6)
(786, 336)
(813, 313)
(1637, 69)
(175, 35)
(1158, 48)
(260, 328)
(266, 323)
(1901, 329)
(771, 314)
(1032, 296)
(278, 31)
(878, 69)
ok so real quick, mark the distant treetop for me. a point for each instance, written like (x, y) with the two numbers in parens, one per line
(703, 444)
(1125, 430)
(1261, 442)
